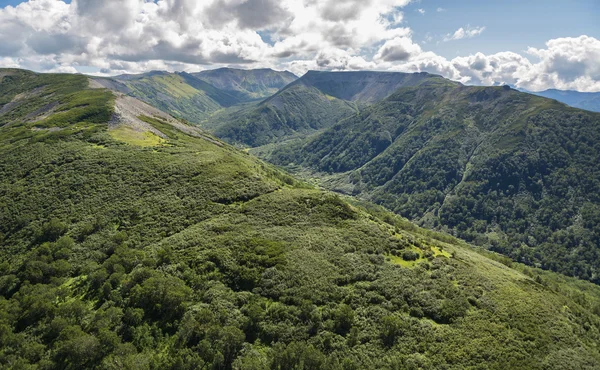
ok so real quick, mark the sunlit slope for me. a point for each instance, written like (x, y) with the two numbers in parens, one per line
(179, 94)
(137, 241)
(295, 111)
(510, 171)
(311, 103)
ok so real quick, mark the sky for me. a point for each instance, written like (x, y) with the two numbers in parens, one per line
(530, 44)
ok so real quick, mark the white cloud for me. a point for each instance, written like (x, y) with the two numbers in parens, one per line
(566, 64)
(397, 49)
(500, 68)
(464, 33)
(112, 34)
(422, 11)
(439, 10)
(569, 63)
(117, 36)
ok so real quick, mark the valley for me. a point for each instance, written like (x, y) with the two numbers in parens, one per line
(132, 239)
(502, 169)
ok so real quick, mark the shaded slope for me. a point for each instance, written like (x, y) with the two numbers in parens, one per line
(118, 251)
(296, 110)
(315, 101)
(249, 84)
(364, 86)
(508, 170)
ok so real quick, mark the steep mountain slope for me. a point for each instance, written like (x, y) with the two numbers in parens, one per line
(316, 100)
(131, 240)
(179, 94)
(247, 84)
(363, 86)
(511, 171)
(295, 111)
(587, 101)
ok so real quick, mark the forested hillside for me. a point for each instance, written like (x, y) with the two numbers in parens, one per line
(140, 242)
(315, 101)
(297, 110)
(510, 171)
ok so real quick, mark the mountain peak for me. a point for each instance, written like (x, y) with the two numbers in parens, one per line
(362, 86)
(249, 83)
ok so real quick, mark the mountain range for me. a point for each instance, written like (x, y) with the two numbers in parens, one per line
(315, 101)
(576, 99)
(195, 96)
(510, 171)
(132, 239)
(490, 165)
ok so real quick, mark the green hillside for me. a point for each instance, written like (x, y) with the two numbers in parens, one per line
(247, 84)
(507, 170)
(365, 87)
(179, 94)
(295, 111)
(195, 97)
(315, 101)
(142, 243)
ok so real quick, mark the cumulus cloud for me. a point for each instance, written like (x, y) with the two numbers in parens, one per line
(566, 63)
(464, 33)
(133, 36)
(112, 34)
(397, 49)
(570, 60)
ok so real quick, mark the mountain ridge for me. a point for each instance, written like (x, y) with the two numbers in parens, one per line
(311, 103)
(130, 239)
(186, 95)
(438, 153)
(251, 84)
(582, 100)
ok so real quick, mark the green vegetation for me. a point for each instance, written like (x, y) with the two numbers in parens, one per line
(315, 101)
(509, 171)
(179, 94)
(133, 137)
(192, 254)
(194, 97)
(247, 84)
(297, 110)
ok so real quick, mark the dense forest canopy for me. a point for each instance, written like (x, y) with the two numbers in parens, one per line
(510, 171)
(147, 244)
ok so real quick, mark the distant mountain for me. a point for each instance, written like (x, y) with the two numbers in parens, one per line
(361, 86)
(298, 109)
(247, 84)
(179, 94)
(130, 240)
(583, 100)
(510, 171)
(315, 101)
(191, 97)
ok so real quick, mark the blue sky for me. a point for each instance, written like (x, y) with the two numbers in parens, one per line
(510, 25)
(532, 44)
(4, 3)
